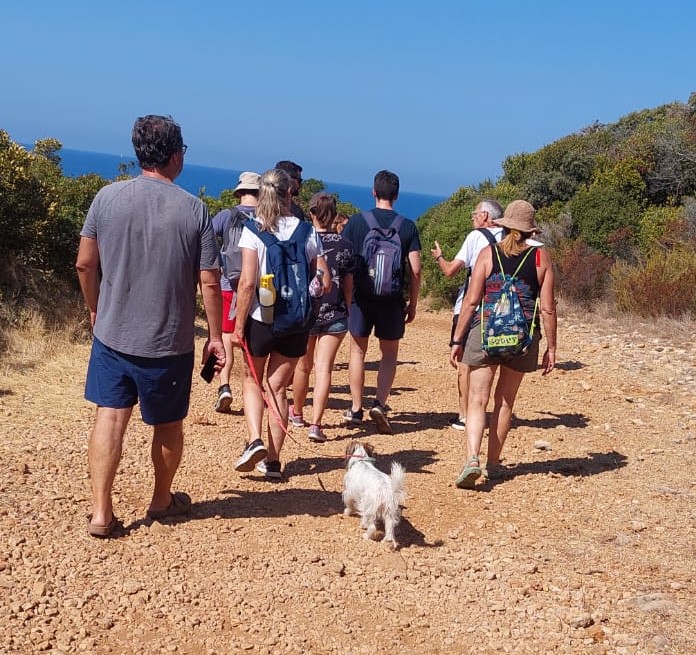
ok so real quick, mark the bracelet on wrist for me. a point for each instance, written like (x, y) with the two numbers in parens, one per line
(454, 342)
(438, 258)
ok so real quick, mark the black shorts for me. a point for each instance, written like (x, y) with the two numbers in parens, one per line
(261, 341)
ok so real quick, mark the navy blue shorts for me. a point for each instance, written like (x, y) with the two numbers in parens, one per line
(385, 315)
(261, 341)
(161, 384)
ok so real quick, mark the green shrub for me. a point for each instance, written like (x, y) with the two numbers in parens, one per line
(598, 211)
(661, 286)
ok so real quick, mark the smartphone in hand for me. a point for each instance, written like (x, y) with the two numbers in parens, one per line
(208, 371)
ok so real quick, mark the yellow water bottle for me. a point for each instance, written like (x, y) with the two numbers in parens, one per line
(267, 297)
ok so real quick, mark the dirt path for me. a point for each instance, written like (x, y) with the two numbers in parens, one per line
(589, 547)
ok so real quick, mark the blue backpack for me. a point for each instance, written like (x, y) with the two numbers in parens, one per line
(287, 260)
(506, 333)
(381, 252)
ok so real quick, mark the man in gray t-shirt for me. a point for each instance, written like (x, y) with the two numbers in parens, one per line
(145, 246)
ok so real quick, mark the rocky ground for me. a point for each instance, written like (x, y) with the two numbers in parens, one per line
(587, 547)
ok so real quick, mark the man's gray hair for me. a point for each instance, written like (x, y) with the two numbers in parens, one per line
(493, 207)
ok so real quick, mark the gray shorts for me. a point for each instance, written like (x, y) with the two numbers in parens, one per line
(475, 356)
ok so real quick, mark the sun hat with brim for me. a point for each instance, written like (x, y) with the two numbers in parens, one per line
(519, 215)
(248, 181)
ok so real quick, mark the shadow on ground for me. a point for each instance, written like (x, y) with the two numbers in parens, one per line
(572, 365)
(593, 464)
(552, 420)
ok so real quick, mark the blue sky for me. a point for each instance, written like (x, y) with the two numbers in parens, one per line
(438, 91)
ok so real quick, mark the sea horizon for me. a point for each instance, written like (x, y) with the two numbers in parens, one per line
(214, 180)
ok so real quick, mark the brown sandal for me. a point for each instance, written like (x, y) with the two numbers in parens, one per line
(103, 531)
(179, 504)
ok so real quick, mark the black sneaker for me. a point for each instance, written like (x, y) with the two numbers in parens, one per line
(251, 456)
(224, 399)
(273, 471)
(353, 416)
(378, 414)
(459, 424)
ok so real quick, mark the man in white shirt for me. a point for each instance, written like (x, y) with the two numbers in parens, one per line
(484, 234)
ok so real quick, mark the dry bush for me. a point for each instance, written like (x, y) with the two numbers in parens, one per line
(662, 286)
(39, 317)
(583, 274)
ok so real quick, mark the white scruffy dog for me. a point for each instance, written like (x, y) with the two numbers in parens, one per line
(375, 496)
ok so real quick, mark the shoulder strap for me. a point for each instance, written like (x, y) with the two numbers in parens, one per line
(496, 250)
(267, 238)
(372, 223)
(371, 220)
(301, 233)
(486, 233)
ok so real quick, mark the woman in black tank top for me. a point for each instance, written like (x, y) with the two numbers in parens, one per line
(535, 281)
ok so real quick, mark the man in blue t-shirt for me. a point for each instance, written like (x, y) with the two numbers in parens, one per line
(387, 315)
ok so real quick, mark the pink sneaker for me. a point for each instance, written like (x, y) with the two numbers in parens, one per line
(295, 419)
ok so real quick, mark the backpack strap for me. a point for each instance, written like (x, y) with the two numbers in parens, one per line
(266, 237)
(372, 223)
(486, 233)
(299, 235)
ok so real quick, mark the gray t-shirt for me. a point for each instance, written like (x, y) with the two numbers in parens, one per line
(153, 239)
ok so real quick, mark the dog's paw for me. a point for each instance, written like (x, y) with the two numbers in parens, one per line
(391, 544)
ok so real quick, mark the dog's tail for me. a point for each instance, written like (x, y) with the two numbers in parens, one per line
(398, 481)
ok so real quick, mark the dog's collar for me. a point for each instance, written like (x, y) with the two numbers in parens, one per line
(361, 458)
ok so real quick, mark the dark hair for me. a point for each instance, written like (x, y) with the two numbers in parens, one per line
(155, 140)
(324, 211)
(386, 186)
(291, 168)
(340, 222)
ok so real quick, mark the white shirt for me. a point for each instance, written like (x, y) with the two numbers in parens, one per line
(474, 243)
(286, 226)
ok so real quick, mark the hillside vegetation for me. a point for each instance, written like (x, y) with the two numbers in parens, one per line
(616, 202)
(617, 207)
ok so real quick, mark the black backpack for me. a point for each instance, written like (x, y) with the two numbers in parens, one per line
(230, 253)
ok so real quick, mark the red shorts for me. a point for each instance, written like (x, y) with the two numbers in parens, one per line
(229, 310)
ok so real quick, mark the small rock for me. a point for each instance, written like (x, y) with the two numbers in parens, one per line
(660, 642)
(582, 621)
(39, 589)
(542, 445)
(638, 526)
(131, 587)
